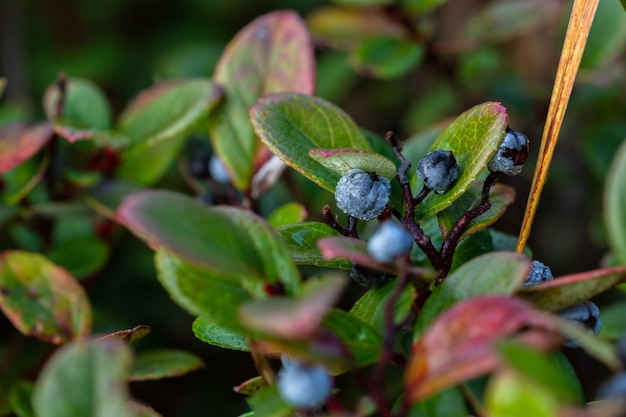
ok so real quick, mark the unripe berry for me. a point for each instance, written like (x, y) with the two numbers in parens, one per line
(362, 195)
(390, 240)
(511, 154)
(438, 170)
(304, 386)
(586, 314)
(539, 272)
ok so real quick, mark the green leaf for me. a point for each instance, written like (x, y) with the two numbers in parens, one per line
(157, 122)
(343, 161)
(20, 399)
(42, 299)
(386, 58)
(449, 403)
(500, 197)
(85, 110)
(268, 403)
(164, 363)
(496, 273)
(615, 205)
(296, 318)
(370, 308)
(607, 37)
(471, 247)
(510, 394)
(251, 386)
(129, 335)
(613, 323)
(226, 240)
(213, 334)
(473, 138)
(76, 247)
(22, 179)
(199, 291)
(85, 378)
(302, 238)
(361, 340)
(346, 27)
(421, 6)
(19, 143)
(569, 290)
(291, 125)
(286, 214)
(544, 370)
(271, 54)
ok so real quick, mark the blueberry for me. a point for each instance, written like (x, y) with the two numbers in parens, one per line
(368, 277)
(539, 272)
(511, 154)
(390, 240)
(304, 386)
(218, 170)
(614, 388)
(586, 314)
(199, 164)
(362, 195)
(438, 170)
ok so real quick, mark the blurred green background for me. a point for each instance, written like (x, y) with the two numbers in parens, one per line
(470, 51)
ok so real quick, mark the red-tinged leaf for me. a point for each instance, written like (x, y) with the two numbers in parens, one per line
(461, 343)
(355, 250)
(251, 386)
(294, 318)
(272, 54)
(19, 142)
(344, 160)
(129, 335)
(566, 291)
(42, 299)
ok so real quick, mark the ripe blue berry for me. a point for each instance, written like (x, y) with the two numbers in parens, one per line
(438, 170)
(218, 170)
(390, 240)
(511, 154)
(586, 314)
(539, 272)
(614, 388)
(304, 386)
(362, 195)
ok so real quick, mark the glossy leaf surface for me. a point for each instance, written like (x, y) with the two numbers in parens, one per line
(227, 239)
(42, 299)
(302, 238)
(291, 125)
(98, 368)
(461, 343)
(566, 291)
(165, 363)
(343, 161)
(213, 334)
(473, 138)
(270, 55)
(493, 273)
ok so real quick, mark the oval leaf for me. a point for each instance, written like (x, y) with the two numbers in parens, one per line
(85, 110)
(291, 125)
(302, 238)
(473, 138)
(213, 334)
(42, 299)
(566, 291)
(19, 142)
(461, 343)
(85, 379)
(158, 364)
(227, 239)
(286, 214)
(272, 54)
(343, 161)
(615, 205)
(493, 273)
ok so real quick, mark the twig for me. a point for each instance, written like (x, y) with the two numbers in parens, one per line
(332, 221)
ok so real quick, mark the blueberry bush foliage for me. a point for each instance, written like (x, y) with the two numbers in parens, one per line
(358, 270)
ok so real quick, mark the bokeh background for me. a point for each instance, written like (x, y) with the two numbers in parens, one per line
(470, 51)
